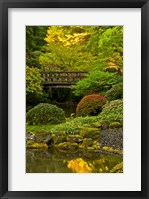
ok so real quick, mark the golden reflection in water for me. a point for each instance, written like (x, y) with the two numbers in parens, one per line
(78, 165)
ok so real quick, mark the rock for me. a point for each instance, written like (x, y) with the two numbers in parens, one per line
(59, 139)
(111, 150)
(60, 133)
(48, 140)
(74, 138)
(114, 125)
(88, 132)
(96, 125)
(72, 115)
(67, 146)
(87, 142)
(30, 136)
(104, 126)
(41, 136)
(96, 145)
(35, 145)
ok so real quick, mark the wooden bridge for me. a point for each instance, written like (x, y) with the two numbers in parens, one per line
(62, 79)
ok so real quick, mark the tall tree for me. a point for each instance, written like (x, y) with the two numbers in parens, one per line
(34, 42)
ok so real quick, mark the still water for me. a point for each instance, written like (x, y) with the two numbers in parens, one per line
(55, 161)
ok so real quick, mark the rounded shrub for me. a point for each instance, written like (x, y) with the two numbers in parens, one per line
(116, 92)
(45, 113)
(90, 105)
(112, 111)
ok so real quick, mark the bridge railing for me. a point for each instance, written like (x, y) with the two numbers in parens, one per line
(62, 77)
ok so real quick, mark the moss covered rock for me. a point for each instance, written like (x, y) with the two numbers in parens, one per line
(114, 125)
(35, 145)
(96, 145)
(41, 136)
(96, 125)
(87, 142)
(74, 138)
(59, 139)
(88, 132)
(112, 150)
(67, 146)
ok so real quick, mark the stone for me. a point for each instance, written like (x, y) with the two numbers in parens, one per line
(88, 132)
(59, 139)
(35, 145)
(41, 136)
(87, 142)
(74, 138)
(67, 146)
(114, 125)
(48, 140)
(96, 145)
(30, 136)
(96, 125)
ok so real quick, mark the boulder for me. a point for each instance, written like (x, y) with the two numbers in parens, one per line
(48, 140)
(35, 145)
(59, 139)
(96, 125)
(41, 136)
(67, 146)
(74, 138)
(88, 132)
(87, 142)
(31, 136)
(114, 125)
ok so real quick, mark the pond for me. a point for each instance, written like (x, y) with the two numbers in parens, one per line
(55, 161)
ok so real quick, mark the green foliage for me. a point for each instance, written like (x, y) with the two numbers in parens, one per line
(96, 82)
(111, 45)
(33, 81)
(112, 111)
(34, 42)
(65, 49)
(116, 92)
(45, 114)
(90, 105)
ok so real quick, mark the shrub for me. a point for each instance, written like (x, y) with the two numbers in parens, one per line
(45, 113)
(90, 105)
(112, 111)
(116, 92)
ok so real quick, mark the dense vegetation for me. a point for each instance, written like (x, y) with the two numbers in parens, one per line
(96, 124)
(97, 50)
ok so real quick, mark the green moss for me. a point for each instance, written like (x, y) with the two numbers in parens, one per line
(67, 146)
(117, 169)
(74, 138)
(96, 125)
(88, 132)
(96, 145)
(111, 150)
(114, 125)
(87, 142)
(59, 139)
(35, 145)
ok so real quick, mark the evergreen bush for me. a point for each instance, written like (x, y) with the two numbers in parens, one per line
(45, 113)
(116, 92)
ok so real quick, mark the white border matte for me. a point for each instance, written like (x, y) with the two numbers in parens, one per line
(130, 180)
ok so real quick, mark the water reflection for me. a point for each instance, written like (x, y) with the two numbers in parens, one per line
(54, 161)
